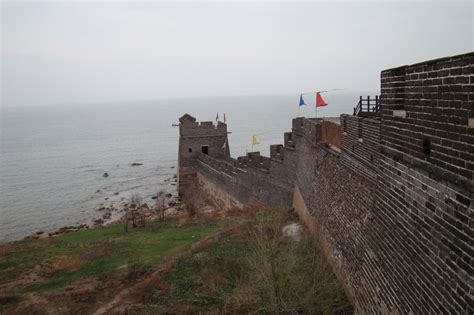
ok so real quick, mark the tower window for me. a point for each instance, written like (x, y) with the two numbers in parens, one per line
(205, 149)
(190, 150)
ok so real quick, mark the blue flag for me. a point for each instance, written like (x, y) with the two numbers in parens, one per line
(302, 100)
(217, 117)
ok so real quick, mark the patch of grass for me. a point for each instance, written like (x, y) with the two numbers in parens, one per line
(205, 279)
(100, 251)
(136, 268)
(25, 254)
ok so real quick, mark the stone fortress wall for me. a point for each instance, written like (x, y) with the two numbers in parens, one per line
(389, 195)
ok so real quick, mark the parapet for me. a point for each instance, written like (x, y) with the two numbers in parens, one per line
(190, 127)
(309, 128)
(427, 115)
(276, 151)
(206, 124)
(297, 123)
(288, 140)
(255, 160)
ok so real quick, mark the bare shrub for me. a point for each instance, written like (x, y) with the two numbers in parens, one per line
(160, 204)
(125, 220)
(290, 276)
(134, 212)
(135, 204)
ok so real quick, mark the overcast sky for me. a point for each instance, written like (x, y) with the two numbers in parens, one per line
(63, 53)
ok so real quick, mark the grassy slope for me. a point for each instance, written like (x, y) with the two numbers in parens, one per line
(78, 272)
(40, 266)
(205, 280)
(231, 275)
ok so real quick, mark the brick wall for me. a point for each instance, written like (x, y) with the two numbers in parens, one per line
(426, 112)
(423, 225)
(338, 190)
(360, 144)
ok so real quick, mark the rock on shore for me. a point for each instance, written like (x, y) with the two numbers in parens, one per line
(62, 230)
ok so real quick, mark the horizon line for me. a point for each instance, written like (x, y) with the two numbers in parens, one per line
(160, 99)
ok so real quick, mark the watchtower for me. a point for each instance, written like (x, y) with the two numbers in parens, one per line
(195, 139)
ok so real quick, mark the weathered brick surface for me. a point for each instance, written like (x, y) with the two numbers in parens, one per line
(339, 189)
(438, 99)
(360, 144)
(422, 238)
(423, 223)
(393, 205)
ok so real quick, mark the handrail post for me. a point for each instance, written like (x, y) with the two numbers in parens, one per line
(368, 103)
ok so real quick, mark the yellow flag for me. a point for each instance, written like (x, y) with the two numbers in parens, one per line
(255, 141)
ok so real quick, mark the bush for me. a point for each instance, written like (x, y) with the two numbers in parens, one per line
(134, 212)
(160, 204)
(290, 276)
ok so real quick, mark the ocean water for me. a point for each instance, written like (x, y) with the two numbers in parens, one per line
(53, 157)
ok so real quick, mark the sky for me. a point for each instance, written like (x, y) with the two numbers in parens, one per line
(82, 52)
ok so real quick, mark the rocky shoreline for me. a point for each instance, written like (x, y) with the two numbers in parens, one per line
(114, 215)
(170, 205)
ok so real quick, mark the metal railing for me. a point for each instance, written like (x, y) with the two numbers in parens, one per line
(367, 106)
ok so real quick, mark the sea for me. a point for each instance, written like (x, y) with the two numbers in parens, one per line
(53, 157)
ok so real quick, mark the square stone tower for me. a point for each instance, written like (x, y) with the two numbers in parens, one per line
(196, 139)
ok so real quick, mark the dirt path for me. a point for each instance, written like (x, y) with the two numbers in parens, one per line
(121, 302)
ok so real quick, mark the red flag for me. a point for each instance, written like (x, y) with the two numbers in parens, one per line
(319, 100)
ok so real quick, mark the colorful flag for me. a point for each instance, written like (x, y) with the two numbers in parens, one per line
(225, 119)
(302, 100)
(255, 140)
(319, 100)
(217, 117)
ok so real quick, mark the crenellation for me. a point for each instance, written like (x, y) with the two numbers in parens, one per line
(276, 151)
(206, 124)
(390, 196)
(297, 123)
(288, 140)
